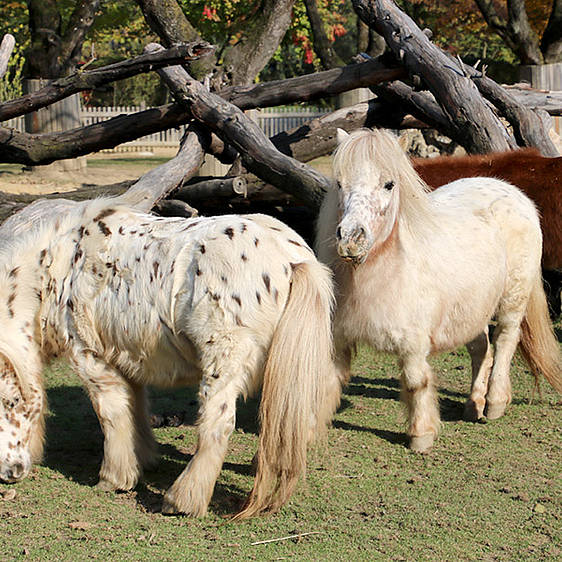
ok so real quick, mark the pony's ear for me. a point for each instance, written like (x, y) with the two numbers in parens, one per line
(341, 135)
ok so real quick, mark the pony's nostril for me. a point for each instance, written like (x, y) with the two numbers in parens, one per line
(17, 470)
(361, 233)
(338, 233)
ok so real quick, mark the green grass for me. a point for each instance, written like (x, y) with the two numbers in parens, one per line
(486, 491)
(148, 162)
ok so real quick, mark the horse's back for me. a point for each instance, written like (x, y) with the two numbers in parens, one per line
(151, 293)
(501, 201)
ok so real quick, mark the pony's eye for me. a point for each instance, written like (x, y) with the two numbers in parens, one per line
(389, 185)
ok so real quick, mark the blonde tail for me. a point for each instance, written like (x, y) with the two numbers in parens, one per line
(538, 342)
(301, 389)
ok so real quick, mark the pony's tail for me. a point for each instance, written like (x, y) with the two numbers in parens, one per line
(301, 389)
(538, 343)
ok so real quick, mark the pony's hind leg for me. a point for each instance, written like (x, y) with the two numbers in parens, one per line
(420, 397)
(482, 360)
(191, 493)
(113, 401)
(506, 338)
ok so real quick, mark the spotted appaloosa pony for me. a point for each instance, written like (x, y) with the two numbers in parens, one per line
(540, 178)
(422, 272)
(234, 304)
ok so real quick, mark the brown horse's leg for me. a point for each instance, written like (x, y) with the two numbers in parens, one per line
(420, 397)
(482, 361)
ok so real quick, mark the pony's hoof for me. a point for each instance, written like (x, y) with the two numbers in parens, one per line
(168, 508)
(106, 486)
(171, 507)
(495, 411)
(472, 411)
(422, 443)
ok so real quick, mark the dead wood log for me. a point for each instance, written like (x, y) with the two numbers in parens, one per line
(527, 126)
(61, 88)
(258, 153)
(32, 150)
(311, 87)
(175, 208)
(212, 188)
(469, 115)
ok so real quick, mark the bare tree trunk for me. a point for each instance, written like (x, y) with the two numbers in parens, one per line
(551, 42)
(321, 43)
(54, 52)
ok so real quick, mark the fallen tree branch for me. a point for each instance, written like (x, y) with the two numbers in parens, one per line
(311, 86)
(475, 123)
(61, 88)
(258, 153)
(527, 125)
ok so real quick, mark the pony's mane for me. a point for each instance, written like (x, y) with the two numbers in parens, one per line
(381, 148)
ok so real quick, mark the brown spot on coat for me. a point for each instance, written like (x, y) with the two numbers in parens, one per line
(237, 299)
(202, 248)
(103, 214)
(244, 257)
(295, 243)
(103, 228)
(229, 232)
(266, 281)
(258, 297)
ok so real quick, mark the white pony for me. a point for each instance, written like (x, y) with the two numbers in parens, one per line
(422, 272)
(233, 303)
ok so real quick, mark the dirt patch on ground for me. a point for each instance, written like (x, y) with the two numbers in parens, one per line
(101, 169)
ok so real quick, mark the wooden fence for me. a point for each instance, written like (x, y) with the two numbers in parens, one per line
(271, 120)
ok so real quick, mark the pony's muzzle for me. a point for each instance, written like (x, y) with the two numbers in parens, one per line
(353, 244)
(13, 473)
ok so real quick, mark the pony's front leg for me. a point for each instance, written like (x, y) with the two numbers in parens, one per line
(114, 403)
(482, 360)
(420, 397)
(191, 493)
(146, 447)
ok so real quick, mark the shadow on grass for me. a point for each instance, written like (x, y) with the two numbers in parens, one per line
(74, 444)
(396, 437)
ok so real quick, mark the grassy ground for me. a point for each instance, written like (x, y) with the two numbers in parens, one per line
(486, 491)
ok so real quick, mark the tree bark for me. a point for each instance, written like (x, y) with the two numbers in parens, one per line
(311, 86)
(468, 114)
(528, 127)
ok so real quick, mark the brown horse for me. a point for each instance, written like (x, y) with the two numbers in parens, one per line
(539, 177)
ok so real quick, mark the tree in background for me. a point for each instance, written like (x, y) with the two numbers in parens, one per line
(529, 29)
